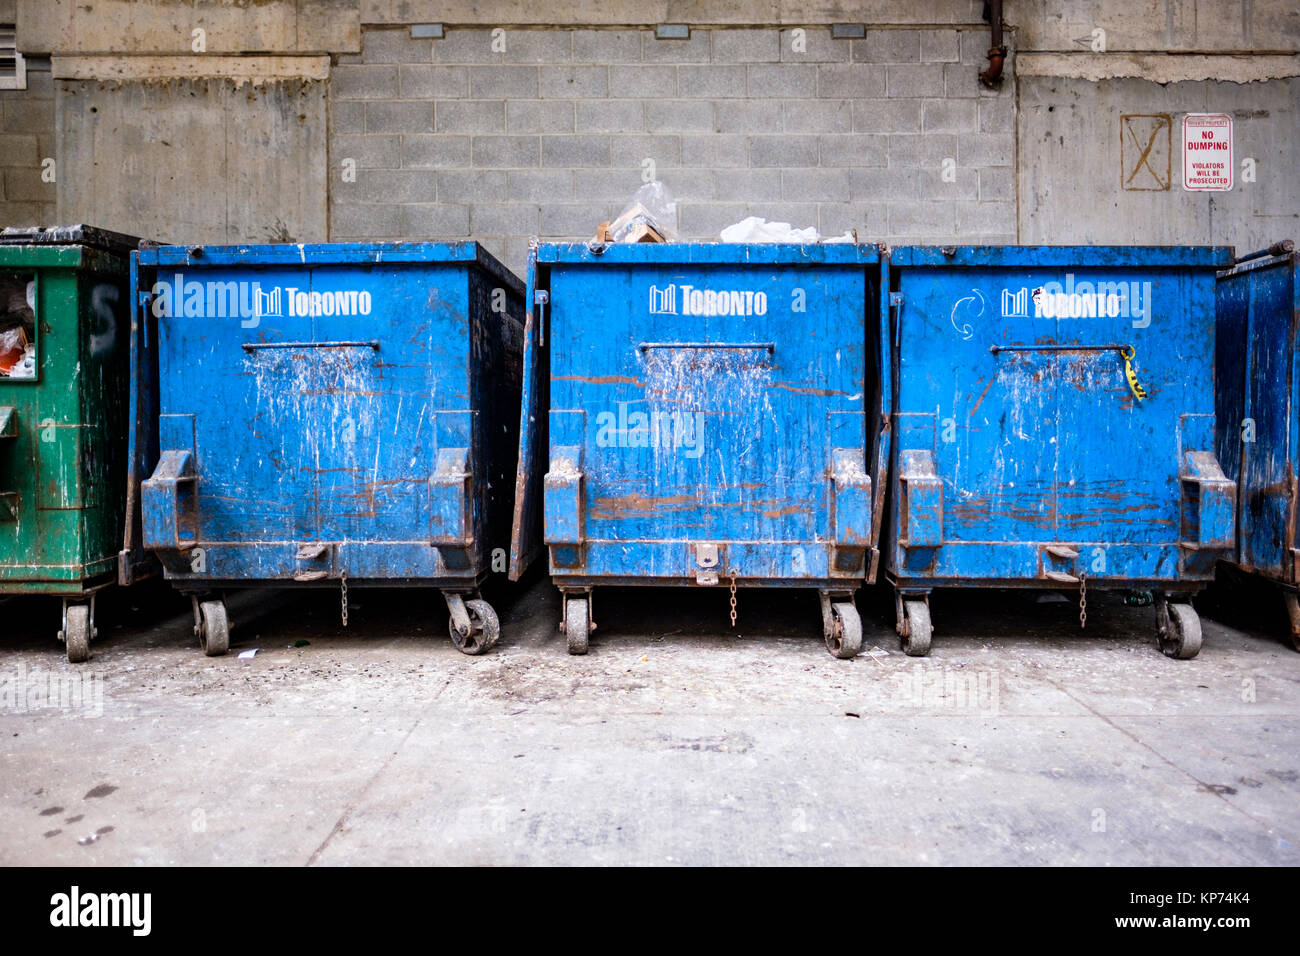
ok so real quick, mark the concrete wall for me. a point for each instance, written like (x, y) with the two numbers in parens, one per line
(452, 138)
(195, 160)
(168, 26)
(26, 139)
(1158, 25)
(1079, 184)
(223, 157)
(552, 135)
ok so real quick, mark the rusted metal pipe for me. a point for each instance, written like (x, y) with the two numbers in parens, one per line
(1283, 248)
(992, 77)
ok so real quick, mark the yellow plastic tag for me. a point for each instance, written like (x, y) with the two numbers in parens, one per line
(1138, 391)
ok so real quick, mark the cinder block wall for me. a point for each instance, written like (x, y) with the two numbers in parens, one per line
(891, 135)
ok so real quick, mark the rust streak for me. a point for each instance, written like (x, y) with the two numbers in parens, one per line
(803, 390)
(983, 394)
(638, 504)
(607, 509)
(787, 510)
(600, 379)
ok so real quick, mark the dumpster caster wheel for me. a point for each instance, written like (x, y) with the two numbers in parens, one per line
(577, 624)
(1180, 635)
(484, 629)
(76, 632)
(1293, 611)
(844, 633)
(214, 628)
(916, 640)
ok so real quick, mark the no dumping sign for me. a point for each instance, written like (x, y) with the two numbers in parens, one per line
(1207, 152)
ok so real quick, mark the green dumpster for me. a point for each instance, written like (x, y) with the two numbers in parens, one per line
(64, 377)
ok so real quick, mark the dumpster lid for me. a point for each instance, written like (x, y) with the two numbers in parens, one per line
(711, 253)
(80, 235)
(1031, 256)
(255, 255)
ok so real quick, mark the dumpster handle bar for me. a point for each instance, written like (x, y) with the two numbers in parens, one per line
(1126, 352)
(767, 346)
(250, 346)
(995, 349)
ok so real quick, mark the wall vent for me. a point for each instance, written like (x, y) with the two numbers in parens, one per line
(13, 68)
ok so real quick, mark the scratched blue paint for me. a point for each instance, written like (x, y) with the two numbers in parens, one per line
(1022, 457)
(302, 414)
(681, 395)
(1257, 378)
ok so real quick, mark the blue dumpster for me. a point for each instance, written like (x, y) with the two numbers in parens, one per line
(709, 415)
(1054, 427)
(335, 415)
(1257, 378)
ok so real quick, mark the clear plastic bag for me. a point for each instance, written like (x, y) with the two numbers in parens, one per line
(650, 217)
(13, 345)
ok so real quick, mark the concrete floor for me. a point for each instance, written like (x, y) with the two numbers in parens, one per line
(1020, 740)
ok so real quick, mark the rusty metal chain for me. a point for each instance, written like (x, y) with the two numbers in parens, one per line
(343, 596)
(1083, 601)
(733, 598)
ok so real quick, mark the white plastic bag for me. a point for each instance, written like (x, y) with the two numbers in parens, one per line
(758, 229)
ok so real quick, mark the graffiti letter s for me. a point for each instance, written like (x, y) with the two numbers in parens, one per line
(103, 333)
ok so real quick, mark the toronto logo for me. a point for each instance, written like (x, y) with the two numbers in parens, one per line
(692, 300)
(247, 301)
